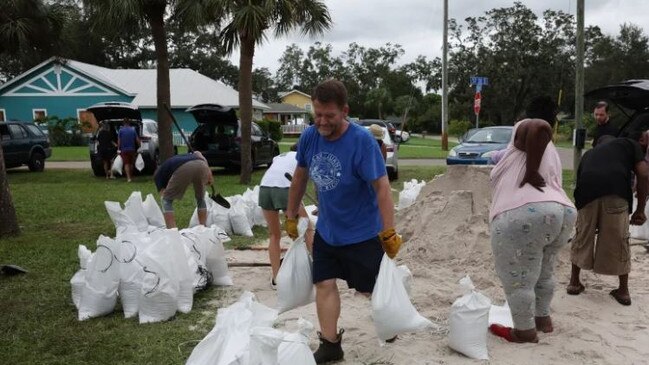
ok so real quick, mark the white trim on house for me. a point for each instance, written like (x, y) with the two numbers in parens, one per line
(59, 89)
(39, 110)
(3, 115)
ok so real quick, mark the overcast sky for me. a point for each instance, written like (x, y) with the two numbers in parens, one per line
(417, 24)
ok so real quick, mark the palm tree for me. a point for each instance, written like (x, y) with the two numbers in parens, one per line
(244, 25)
(151, 13)
(23, 24)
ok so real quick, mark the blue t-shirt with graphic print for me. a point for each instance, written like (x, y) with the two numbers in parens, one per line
(343, 171)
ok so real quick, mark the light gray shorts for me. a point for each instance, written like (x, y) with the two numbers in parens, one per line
(193, 172)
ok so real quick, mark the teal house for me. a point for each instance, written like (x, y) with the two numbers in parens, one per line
(65, 88)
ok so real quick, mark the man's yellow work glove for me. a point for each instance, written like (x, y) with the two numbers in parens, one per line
(290, 226)
(390, 241)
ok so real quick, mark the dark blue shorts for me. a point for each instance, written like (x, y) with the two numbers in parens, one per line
(358, 264)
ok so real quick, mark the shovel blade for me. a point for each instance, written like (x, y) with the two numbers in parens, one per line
(220, 200)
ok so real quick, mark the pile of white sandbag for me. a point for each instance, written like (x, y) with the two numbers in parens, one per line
(408, 195)
(244, 335)
(153, 270)
(244, 213)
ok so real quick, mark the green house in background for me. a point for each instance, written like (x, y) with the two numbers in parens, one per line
(65, 88)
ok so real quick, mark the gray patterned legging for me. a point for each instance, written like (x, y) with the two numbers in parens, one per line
(525, 242)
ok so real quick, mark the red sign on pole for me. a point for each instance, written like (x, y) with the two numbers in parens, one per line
(476, 103)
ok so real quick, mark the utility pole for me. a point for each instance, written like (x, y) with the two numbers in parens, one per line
(445, 81)
(580, 132)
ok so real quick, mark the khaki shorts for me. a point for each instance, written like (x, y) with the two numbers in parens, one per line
(273, 198)
(608, 254)
(193, 172)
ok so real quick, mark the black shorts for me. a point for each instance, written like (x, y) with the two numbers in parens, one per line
(358, 264)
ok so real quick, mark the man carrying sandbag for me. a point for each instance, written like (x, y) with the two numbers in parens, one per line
(174, 176)
(356, 212)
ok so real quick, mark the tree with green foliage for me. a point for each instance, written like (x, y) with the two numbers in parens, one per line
(244, 25)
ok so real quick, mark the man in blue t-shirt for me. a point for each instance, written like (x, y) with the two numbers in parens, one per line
(355, 209)
(127, 143)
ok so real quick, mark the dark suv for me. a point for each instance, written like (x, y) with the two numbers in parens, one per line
(23, 143)
(218, 137)
(632, 98)
(114, 113)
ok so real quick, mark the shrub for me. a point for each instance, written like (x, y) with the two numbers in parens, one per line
(63, 132)
(273, 127)
(458, 127)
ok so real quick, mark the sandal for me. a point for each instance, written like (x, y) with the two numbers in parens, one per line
(621, 300)
(575, 290)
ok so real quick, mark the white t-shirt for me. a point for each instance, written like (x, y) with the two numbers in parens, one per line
(274, 176)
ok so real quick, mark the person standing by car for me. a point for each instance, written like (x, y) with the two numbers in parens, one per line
(604, 126)
(128, 143)
(531, 218)
(603, 195)
(355, 209)
(107, 148)
(273, 197)
(377, 132)
(174, 176)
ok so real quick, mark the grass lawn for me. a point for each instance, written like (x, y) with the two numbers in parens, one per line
(69, 153)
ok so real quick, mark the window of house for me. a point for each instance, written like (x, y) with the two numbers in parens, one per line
(308, 107)
(3, 115)
(39, 114)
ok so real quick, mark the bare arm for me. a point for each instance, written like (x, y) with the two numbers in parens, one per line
(296, 191)
(532, 138)
(642, 175)
(384, 197)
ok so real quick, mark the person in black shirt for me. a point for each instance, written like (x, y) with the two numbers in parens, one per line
(604, 126)
(603, 197)
(106, 148)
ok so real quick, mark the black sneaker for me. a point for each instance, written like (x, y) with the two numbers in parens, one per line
(329, 352)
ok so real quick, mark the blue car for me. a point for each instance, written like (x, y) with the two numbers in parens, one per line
(478, 145)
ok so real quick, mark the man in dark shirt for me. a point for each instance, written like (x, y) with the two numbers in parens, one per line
(106, 148)
(174, 176)
(603, 197)
(604, 126)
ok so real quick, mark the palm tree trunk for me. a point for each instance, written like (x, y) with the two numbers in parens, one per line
(155, 16)
(247, 52)
(8, 219)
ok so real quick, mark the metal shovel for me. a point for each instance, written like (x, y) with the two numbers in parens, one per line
(219, 199)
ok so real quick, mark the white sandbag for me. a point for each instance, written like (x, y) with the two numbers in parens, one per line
(250, 205)
(310, 209)
(78, 281)
(153, 212)
(469, 322)
(408, 195)
(639, 232)
(229, 340)
(295, 278)
(264, 342)
(118, 165)
(239, 219)
(295, 347)
(406, 277)
(122, 221)
(131, 272)
(501, 315)
(134, 208)
(159, 293)
(216, 263)
(99, 295)
(139, 162)
(258, 213)
(180, 266)
(392, 311)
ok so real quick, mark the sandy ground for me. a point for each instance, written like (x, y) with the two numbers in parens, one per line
(447, 237)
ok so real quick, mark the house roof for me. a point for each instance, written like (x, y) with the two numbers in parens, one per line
(283, 108)
(285, 93)
(188, 87)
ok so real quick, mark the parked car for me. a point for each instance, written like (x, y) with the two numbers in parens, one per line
(478, 144)
(23, 143)
(392, 160)
(632, 98)
(218, 137)
(382, 123)
(114, 114)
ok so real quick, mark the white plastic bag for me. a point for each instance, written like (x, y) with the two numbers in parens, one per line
(295, 279)
(295, 347)
(153, 212)
(239, 219)
(131, 272)
(134, 208)
(139, 162)
(159, 293)
(122, 221)
(78, 281)
(99, 295)
(406, 277)
(408, 195)
(118, 165)
(469, 321)
(264, 342)
(501, 315)
(392, 311)
(216, 262)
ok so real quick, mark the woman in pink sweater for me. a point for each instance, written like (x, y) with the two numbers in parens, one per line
(531, 219)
